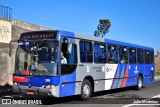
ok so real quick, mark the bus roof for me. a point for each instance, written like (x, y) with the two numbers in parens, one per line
(97, 39)
(127, 44)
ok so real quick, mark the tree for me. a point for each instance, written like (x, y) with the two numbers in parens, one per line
(102, 28)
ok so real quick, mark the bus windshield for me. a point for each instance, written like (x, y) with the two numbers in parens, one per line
(37, 57)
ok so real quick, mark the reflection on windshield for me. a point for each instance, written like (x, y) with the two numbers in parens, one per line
(40, 57)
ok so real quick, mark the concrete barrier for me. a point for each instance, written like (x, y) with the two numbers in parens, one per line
(6, 62)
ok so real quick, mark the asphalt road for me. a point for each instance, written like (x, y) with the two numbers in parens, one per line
(147, 96)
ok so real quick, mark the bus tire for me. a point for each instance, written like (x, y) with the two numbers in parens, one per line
(139, 82)
(86, 90)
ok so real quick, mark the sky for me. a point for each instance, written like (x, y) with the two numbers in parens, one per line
(132, 21)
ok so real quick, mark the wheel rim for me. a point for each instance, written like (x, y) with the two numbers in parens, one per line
(86, 90)
(140, 83)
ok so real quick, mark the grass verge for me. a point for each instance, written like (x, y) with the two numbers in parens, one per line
(158, 73)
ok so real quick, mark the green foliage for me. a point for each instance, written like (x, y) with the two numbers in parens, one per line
(102, 28)
(158, 73)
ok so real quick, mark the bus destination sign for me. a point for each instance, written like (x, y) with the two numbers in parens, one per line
(38, 35)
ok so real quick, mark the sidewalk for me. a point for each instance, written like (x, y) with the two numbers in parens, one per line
(157, 77)
(5, 90)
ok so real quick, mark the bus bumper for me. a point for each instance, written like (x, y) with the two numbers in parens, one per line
(36, 91)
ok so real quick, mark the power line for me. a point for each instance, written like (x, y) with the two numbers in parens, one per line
(42, 22)
(34, 20)
(48, 23)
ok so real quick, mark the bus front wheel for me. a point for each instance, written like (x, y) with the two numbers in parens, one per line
(86, 90)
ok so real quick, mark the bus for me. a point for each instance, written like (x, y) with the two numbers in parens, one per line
(92, 64)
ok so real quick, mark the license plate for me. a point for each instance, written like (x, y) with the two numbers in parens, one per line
(30, 92)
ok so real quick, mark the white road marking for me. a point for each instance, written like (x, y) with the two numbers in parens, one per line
(139, 104)
(13, 96)
(157, 96)
(7, 96)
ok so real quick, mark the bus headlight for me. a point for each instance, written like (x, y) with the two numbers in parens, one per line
(15, 83)
(49, 86)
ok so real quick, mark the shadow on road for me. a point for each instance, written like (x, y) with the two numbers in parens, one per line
(113, 91)
(4, 90)
(75, 99)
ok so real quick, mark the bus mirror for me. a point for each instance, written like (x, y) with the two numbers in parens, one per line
(12, 45)
(10, 50)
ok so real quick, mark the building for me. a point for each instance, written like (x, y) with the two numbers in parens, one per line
(158, 54)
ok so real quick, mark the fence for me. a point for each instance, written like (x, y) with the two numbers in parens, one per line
(5, 13)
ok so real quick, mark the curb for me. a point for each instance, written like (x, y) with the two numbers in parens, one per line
(157, 77)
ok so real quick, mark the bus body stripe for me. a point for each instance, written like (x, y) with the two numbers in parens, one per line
(121, 76)
(125, 79)
(115, 81)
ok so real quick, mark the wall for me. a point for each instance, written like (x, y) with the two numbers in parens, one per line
(7, 62)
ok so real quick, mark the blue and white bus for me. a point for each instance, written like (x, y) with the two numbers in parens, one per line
(92, 64)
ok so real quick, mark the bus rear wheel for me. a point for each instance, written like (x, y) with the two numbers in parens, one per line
(139, 83)
(86, 90)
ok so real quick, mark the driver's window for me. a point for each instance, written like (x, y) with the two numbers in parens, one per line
(68, 56)
(64, 51)
(68, 52)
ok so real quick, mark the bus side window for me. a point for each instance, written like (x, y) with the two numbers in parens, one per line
(68, 49)
(140, 57)
(99, 53)
(123, 54)
(71, 59)
(86, 54)
(147, 56)
(132, 55)
(72, 54)
(112, 54)
(65, 48)
(109, 57)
